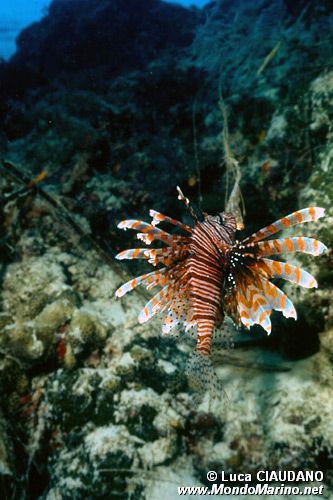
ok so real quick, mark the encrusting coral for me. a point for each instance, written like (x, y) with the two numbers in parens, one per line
(93, 402)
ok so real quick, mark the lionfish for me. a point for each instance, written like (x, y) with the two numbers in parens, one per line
(207, 274)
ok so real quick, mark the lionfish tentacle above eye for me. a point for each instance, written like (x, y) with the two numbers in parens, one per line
(207, 274)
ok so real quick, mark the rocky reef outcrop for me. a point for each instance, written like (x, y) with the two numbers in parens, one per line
(114, 104)
(135, 33)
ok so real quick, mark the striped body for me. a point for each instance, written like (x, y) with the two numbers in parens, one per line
(205, 274)
(206, 270)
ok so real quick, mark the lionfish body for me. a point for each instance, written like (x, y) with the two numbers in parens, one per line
(207, 267)
(206, 274)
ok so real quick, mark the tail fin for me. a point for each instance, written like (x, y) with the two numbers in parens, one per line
(202, 377)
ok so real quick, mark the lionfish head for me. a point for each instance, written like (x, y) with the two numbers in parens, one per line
(226, 220)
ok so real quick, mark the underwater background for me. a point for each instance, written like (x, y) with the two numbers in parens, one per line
(105, 107)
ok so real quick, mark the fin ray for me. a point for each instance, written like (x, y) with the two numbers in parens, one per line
(155, 305)
(295, 244)
(133, 253)
(158, 217)
(291, 273)
(278, 300)
(298, 217)
(148, 233)
(150, 280)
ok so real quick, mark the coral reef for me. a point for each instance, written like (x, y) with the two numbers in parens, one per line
(111, 409)
(118, 110)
